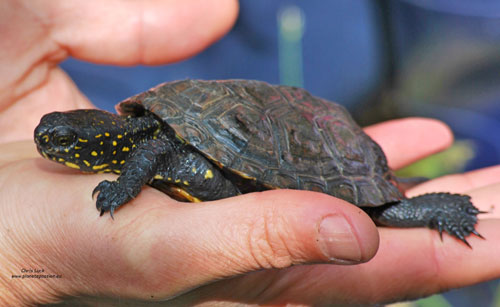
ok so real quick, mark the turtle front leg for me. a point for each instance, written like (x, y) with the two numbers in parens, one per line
(451, 213)
(139, 169)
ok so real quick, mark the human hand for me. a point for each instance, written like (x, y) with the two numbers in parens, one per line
(409, 264)
(37, 35)
(157, 248)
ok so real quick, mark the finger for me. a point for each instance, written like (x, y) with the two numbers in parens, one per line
(460, 183)
(487, 200)
(192, 244)
(58, 93)
(133, 32)
(405, 141)
(17, 151)
(481, 185)
(416, 263)
(410, 263)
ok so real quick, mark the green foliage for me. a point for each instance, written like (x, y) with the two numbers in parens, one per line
(452, 160)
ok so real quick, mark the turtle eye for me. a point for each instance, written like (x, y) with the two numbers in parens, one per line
(64, 138)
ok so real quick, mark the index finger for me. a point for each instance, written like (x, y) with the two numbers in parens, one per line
(134, 32)
(407, 140)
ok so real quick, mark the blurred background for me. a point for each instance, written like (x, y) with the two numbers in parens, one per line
(381, 59)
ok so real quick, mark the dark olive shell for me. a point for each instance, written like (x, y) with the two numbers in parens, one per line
(281, 136)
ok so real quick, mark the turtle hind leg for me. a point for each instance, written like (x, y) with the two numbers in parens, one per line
(451, 213)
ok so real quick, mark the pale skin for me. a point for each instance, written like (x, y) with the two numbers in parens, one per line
(157, 248)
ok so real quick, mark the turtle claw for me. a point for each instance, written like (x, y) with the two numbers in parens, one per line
(466, 243)
(457, 216)
(110, 195)
(453, 214)
(111, 212)
(477, 234)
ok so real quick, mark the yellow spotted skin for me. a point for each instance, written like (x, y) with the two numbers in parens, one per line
(137, 146)
(138, 149)
(205, 140)
(209, 174)
(72, 165)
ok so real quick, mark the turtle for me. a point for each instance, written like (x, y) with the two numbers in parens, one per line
(198, 140)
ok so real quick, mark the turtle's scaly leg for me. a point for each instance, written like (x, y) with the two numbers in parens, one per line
(452, 213)
(139, 169)
(189, 176)
(176, 170)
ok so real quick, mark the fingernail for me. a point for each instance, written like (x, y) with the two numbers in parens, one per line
(337, 240)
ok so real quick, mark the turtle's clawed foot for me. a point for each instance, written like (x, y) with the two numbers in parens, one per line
(110, 195)
(457, 216)
(445, 212)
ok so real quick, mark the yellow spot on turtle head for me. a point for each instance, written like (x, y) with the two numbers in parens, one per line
(106, 133)
(60, 160)
(99, 167)
(94, 153)
(114, 162)
(86, 162)
(72, 165)
(83, 140)
(115, 143)
(114, 152)
(209, 174)
(77, 147)
(102, 152)
(98, 136)
(101, 121)
(77, 155)
(169, 178)
(66, 149)
(101, 143)
(46, 138)
(185, 182)
(158, 177)
(119, 136)
(125, 149)
(116, 171)
(177, 180)
(113, 123)
(122, 162)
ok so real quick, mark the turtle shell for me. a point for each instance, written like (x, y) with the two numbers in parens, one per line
(280, 136)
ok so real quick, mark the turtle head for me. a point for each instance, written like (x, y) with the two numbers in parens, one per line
(83, 139)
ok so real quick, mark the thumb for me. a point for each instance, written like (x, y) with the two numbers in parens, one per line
(277, 229)
(203, 242)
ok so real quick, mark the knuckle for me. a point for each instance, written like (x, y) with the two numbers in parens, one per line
(267, 243)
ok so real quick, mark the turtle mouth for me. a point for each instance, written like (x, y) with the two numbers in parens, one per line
(47, 151)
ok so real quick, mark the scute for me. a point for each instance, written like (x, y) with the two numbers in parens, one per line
(282, 136)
